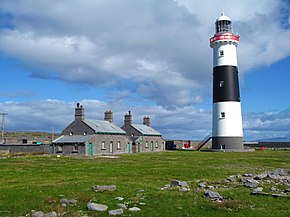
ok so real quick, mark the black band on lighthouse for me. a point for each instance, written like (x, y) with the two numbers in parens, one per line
(225, 84)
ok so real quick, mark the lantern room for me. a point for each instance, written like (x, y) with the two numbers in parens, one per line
(223, 24)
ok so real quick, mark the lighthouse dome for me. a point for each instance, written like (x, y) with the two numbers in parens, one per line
(223, 17)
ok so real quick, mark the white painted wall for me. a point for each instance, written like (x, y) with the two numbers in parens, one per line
(231, 125)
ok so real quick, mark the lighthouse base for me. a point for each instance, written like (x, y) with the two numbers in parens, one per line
(227, 144)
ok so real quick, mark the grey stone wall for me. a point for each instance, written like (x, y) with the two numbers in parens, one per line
(78, 128)
(17, 148)
(107, 144)
(269, 145)
(150, 144)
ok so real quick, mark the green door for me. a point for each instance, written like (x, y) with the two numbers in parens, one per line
(90, 149)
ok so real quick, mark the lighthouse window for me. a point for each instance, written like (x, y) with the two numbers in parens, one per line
(223, 114)
(221, 52)
(222, 83)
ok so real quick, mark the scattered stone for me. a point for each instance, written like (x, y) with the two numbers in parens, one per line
(259, 189)
(42, 214)
(274, 189)
(178, 183)
(280, 172)
(167, 186)
(38, 214)
(119, 198)
(141, 190)
(184, 189)
(213, 195)
(202, 185)
(51, 214)
(122, 205)
(248, 175)
(210, 187)
(116, 212)
(250, 185)
(97, 207)
(287, 190)
(134, 209)
(68, 202)
(250, 182)
(142, 204)
(100, 188)
(260, 176)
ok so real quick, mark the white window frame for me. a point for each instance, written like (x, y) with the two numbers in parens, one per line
(103, 145)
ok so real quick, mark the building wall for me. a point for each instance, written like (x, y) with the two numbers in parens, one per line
(78, 128)
(108, 144)
(150, 144)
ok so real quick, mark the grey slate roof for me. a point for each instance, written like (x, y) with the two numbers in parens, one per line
(100, 126)
(145, 130)
(73, 139)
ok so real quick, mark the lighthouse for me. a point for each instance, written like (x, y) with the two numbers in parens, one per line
(227, 130)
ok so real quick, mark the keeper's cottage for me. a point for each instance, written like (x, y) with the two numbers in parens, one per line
(87, 137)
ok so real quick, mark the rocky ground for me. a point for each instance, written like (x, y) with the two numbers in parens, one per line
(274, 183)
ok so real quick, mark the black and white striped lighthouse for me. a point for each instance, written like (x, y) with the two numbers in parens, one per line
(227, 130)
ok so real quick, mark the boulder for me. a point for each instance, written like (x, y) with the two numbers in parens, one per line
(116, 212)
(134, 209)
(97, 207)
(175, 183)
(68, 202)
(38, 214)
(122, 205)
(213, 195)
(101, 188)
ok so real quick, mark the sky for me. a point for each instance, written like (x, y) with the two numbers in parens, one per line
(151, 57)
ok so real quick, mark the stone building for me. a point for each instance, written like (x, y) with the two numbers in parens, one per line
(143, 137)
(91, 137)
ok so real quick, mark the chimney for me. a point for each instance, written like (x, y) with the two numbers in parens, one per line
(146, 120)
(79, 113)
(109, 116)
(128, 119)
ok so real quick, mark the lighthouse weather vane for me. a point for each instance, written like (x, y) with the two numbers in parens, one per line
(227, 130)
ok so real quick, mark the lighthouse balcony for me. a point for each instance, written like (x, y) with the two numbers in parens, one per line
(224, 38)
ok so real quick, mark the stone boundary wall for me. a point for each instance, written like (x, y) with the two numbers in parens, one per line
(25, 148)
(269, 145)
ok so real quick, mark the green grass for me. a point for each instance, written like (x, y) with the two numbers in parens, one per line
(36, 183)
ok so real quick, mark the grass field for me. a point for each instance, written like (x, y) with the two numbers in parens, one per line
(39, 182)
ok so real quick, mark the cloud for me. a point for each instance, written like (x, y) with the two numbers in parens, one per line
(17, 93)
(156, 49)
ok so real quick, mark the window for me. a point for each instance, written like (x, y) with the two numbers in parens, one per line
(221, 53)
(75, 148)
(118, 145)
(85, 133)
(222, 83)
(103, 145)
(24, 141)
(156, 144)
(146, 144)
(223, 115)
(71, 133)
(59, 149)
